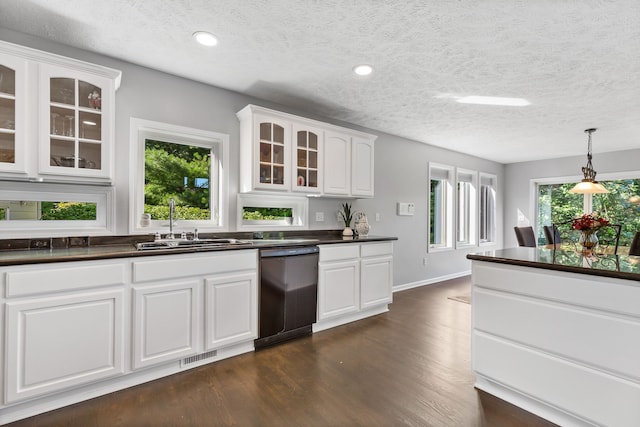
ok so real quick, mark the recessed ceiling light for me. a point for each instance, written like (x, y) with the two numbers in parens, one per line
(492, 100)
(205, 38)
(363, 70)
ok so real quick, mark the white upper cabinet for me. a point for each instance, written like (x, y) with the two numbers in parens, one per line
(362, 160)
(63, 130)
(286, 153)
(337, 160)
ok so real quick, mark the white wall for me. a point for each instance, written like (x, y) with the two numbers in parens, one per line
(519, 177)
(401, 165)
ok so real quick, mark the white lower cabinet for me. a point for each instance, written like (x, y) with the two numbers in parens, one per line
(55, 343)
(355, 281)
(78, 330)
(376, 274)
(166, 322)
(231, 309)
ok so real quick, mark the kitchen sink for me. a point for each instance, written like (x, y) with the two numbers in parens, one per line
(184, 243)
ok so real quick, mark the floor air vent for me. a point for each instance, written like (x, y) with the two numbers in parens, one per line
(198, 358)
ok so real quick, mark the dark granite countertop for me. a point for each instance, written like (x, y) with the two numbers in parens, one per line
(616, 266)
(63, 249)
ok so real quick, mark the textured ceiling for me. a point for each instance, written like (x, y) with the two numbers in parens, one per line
(576, 61)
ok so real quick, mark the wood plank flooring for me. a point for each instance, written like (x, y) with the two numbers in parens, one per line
(407, 367)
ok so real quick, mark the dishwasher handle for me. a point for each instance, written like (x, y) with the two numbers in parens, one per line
(280, 252)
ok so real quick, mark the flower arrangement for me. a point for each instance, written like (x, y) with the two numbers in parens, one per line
(589, 222)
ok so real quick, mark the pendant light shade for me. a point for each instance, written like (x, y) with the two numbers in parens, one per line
(589, 185)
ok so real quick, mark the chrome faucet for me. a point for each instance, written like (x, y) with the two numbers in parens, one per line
(172, 209)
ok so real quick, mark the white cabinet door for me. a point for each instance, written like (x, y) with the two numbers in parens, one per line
(337, 163)
(362, 163)
(166, 320)
(13, 127)
(376, 281)
(338, 288)
(231, 309)
(306, 157)
(61, 342)
(76, 123)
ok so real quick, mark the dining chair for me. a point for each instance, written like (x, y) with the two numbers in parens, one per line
(609, 236)
(526, 237)
(635, 245)
(552, 234)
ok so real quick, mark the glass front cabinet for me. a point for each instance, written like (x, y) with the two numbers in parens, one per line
(12, 114)
(64, 132)
(283, 152)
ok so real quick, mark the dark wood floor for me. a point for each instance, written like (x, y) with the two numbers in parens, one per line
(407, 367)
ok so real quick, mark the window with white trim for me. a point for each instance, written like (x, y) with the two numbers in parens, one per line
(37, 210)
(487, 210)
(466, 207)
(186, 165)
(257, 212)
(441, 198)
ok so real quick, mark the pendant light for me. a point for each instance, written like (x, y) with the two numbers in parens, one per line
(589, 185)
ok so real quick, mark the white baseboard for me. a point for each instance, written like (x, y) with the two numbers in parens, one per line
(398, 288)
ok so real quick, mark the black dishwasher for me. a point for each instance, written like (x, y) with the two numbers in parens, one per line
(288, 293)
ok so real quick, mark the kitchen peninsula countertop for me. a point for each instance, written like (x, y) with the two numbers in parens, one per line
(615, 266)
(66, 249)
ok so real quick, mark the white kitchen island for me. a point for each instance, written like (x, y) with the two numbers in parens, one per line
(558, 334)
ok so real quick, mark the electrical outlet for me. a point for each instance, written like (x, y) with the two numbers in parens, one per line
(319, 216)
(424, 261)
(378, 217)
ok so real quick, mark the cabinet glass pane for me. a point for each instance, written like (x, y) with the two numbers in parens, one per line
(278, 134)
(63, 91)
(7, 80)
(62, 153)
(62, 121)
(265, 174)
(278, 154)
(89, 96)
(313, 159)
(265, 131)
(302, 158)
(90, 156)
(302, 138)
(7, 114)
(313, 179)
(90, 126)
(278, 175)
(265, 153)
(7, 148)
(313, 141)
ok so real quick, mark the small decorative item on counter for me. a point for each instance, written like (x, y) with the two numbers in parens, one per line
(145, 220)
(361, 224)
(95, 101)
(347, 217)
(588, 225)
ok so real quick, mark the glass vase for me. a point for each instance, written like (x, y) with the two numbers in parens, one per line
(588, 240)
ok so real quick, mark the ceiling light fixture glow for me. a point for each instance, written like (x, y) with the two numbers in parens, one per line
(363, 70)
(494, 100)
(205, 38)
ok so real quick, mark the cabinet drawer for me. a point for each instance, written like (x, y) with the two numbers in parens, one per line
(174, 266)
(65, 278)
(339, 252)
(376, 249)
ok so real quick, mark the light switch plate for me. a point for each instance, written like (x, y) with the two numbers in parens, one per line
(405, 208)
